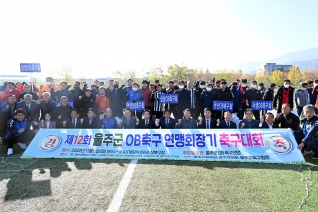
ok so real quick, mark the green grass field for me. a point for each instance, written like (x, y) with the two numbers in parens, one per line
(156, 185)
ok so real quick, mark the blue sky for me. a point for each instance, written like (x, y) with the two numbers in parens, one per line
(97, 37)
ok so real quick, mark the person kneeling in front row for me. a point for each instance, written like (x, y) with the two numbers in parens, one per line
(309, 126)
(18, 131)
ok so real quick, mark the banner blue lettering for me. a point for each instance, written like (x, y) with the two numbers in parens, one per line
(252, 145)
(135, 106)
(30, 67)
(222, 105)
(169, 98)
(261, 105)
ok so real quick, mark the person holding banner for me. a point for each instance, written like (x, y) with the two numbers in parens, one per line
(249, 122)
(183, 99)
(127, 121)
(171, 107)
(18, 131)
(237, 106)
(269, 94)
(269, 122)
(145, 123)
(207, 122)
(226, 123)
(187, 122)
(222, 94)
(166, 122)
(135, 96)
(253, 94)
(108, 122)
(309, 127)
(157, 106)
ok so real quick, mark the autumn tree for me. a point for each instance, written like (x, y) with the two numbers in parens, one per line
(309, 74)
(123, 75)
(277, 77)
(179, 73)
(294, 75)
(156, 73)
(263, 76)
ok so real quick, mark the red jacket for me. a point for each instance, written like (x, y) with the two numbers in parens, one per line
(147, 95)
(103, 103)
(7, 93)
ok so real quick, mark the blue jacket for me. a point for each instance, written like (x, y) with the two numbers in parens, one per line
(135, 96)
(108, 123)
(14, 126)
(206, 96)
(237, 98)
(8, 111)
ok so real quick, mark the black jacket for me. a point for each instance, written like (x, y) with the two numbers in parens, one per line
(65, 113)
(220, 95)
(203, 124)
(265, 125)
(252, 94)
(87, 125)
(290, 121)
(49, 108)
(268, 95)
(142, 124)
(279, 97)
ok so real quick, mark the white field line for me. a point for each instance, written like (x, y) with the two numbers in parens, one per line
(120, 193)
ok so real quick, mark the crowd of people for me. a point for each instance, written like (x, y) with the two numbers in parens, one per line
(25, 109)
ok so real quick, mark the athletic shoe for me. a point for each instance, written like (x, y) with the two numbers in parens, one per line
(315, 156)
(22, 145)
(10, 151)
(307, 151)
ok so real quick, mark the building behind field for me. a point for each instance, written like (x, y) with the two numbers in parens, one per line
(270, 67)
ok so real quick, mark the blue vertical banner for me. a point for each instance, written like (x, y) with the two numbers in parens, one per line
(30, 67)
(222, 105)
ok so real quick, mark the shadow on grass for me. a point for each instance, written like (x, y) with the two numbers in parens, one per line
(19, 173)
(21, 185)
